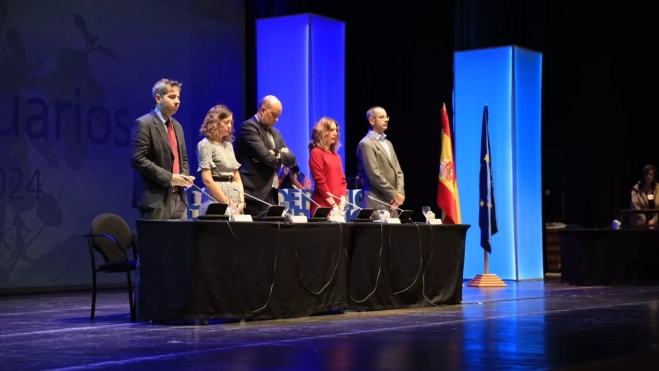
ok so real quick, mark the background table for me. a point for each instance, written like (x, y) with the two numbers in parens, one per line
(609, 257)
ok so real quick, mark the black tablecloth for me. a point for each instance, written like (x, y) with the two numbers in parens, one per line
(402, 266)
(219, 269)
(609, 257)
(216, 269)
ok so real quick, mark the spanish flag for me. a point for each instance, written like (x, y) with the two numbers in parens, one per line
(447, 188)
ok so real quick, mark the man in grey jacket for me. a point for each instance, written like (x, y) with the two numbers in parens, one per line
(378, 164)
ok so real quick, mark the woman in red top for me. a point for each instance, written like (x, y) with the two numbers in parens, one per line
(326, 166)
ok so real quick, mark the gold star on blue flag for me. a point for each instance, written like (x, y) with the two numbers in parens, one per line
(487, 220)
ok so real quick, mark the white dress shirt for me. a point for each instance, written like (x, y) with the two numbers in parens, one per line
(381, 138)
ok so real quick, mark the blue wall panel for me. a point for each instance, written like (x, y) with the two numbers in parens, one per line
(508, 82)
(328, 73)
(282, 69)
(301, 60)
(528, 164)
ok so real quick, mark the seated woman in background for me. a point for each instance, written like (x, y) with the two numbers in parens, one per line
(217, 162)
(644, 196)
(326, 166)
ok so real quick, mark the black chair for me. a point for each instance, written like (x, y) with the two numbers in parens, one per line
(111, 237)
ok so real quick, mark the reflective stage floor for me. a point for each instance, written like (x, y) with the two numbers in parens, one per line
(526, 326)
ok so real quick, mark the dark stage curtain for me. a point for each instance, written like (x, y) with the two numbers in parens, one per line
(397, 56)
(486, 24)
(597, 119)
(597, 110)
(583, 127)
(598, 87)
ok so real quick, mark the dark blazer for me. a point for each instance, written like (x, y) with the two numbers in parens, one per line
(258, 166)
(153, 159)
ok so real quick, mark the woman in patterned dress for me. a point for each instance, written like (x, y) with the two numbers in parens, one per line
(217, 162)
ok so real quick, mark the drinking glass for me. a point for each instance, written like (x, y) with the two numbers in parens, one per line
(425, 210)
(382, 209)
(286, 206)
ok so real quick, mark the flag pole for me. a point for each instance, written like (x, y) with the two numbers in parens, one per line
(487, 262)
(486, 279)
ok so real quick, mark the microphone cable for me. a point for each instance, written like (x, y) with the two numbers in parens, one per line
(418, 231)
(274, 269)
(423, 278)
(338, 259)
(377, 278)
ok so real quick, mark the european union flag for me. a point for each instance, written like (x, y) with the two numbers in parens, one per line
(487, 220)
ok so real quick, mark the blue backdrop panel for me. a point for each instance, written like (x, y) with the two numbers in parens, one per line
(528, 164)
(507, 79)
(301, 60)
(72, 86)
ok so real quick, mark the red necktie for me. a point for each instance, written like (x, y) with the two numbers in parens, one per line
(172, 141)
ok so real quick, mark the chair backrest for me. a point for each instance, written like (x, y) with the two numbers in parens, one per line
(112, 225)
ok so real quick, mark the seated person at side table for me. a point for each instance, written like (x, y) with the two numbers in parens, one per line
(644, 196)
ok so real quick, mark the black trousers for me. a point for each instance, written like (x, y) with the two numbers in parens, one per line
(174, 208)
(256, 209)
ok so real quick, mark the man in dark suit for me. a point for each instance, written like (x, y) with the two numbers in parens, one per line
(261, 152)
(160, 159)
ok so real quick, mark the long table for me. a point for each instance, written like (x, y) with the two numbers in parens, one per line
(609, 257)
(261, 270)
(396, 266)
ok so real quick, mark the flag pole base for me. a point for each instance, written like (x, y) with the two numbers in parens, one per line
(487, 280)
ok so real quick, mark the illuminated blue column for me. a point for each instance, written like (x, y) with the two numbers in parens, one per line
(509, 80)
(301, 60)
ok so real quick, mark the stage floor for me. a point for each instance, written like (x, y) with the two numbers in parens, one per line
(526, 326)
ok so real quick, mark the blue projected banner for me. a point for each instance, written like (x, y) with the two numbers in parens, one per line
(72, 85)
(507, 79)
(300, 205)
(301, 60)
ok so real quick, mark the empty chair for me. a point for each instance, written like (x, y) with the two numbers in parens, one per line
(111, 237)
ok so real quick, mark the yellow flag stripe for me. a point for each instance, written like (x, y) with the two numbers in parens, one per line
(447, 153)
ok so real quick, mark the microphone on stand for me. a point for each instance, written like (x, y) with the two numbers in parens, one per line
(200, 190)
(321, 212)
(307, 197)
(384, 203)
(252, 197)
(404, 215)
(346, 201)
(274, 212)
(204, 192)
(364, 215)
